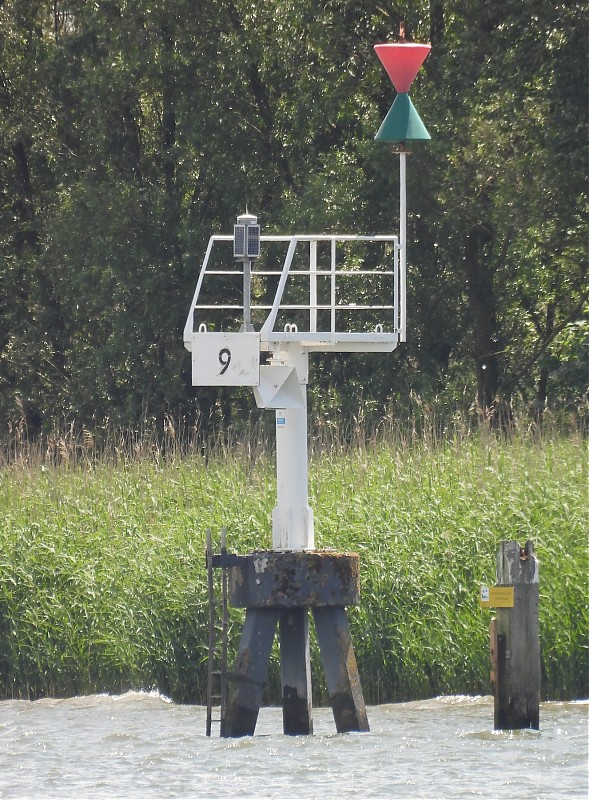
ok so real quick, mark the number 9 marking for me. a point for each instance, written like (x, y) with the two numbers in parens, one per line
(224, 359)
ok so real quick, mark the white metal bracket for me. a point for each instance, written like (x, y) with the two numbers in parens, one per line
(279, 387)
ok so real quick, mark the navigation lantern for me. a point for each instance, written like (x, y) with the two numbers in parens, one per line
(246, 247)
(246, 237)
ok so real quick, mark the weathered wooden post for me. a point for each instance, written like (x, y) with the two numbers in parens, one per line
(515, 639)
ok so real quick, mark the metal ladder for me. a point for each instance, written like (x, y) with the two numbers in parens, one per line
(216, 697)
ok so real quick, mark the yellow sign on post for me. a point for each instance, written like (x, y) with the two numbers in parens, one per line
(497, 597)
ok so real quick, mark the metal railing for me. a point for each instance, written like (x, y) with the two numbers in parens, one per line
(335, 302)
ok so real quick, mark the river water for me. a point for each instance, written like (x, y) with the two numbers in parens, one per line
(140, 745)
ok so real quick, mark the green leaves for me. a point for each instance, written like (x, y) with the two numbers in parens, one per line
(427, 523)
(131, 132)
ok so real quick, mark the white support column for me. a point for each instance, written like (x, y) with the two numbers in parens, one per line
(292, 518)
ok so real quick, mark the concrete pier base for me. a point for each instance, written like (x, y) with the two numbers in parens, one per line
(281, 587)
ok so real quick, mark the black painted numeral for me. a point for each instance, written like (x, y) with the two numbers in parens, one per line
(224, 359)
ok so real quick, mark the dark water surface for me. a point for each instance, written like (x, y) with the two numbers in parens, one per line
(140, 745)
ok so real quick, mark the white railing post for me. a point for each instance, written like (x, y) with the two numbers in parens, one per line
(313, 285)
(333, 279)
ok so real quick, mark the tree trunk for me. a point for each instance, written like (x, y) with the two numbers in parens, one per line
(26, 232)
(482, 300)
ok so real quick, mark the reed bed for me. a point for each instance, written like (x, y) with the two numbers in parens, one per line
(102, 574)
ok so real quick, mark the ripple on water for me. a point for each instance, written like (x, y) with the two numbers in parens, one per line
(142, 745)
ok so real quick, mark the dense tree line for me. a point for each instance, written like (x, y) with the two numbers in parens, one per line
(131, 130)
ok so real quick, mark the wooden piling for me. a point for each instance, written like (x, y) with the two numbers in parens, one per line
(246, 683)
(341, 670)
(295, 669)
(516, 641)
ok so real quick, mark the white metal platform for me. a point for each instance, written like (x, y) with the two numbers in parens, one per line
(326, 293)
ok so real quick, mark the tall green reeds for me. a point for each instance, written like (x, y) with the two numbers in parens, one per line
(102, 579)
(427, 522)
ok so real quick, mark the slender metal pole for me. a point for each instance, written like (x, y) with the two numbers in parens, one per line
(402, 244)
(247, 296)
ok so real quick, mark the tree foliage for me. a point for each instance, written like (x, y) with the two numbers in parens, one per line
(131, 130)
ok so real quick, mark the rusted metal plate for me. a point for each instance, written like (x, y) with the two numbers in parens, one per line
(313, 578)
